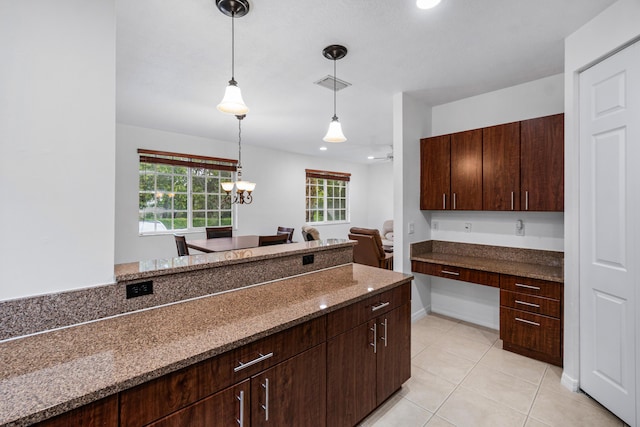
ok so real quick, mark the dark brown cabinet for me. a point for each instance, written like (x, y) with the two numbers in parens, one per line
(531, 318)
(542, 164)
(501, 167)
(515, 166)
(102, 413)
(451, 171)
(369, 357)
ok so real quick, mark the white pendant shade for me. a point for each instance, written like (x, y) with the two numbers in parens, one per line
(334, 134)
(232, 102)
(227, 186)
(427, 4)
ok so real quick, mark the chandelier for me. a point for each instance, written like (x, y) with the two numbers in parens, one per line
(243, 189)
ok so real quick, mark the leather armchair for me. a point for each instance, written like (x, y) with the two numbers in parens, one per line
(369, 250)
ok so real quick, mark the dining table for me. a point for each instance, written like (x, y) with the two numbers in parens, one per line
(220, 244)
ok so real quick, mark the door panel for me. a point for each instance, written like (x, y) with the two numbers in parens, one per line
(435, 173)
(609, 205)
(466, 170)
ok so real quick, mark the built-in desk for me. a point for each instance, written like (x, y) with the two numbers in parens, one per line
(531, 289)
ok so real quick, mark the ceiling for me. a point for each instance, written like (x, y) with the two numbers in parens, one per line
(173, 61)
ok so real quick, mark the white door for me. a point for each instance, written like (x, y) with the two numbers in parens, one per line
(610, 231)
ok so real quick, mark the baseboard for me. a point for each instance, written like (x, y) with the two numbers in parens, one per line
(419, 314)
(569, 383)
(460, 316)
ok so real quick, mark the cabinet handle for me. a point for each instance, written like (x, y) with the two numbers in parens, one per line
(240, 421)
(520, 285)
(444, 201)
(526, 200)
(450, 272)
(262, 357)
(528, 303)
(375, 338)
(266, 399)
(379, 306)
(512, 200)
(529, 322)
(454, 201)
(384, 338)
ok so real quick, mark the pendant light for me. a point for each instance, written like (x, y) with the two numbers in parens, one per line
(243, 188)
(334, 134)
(232, 102)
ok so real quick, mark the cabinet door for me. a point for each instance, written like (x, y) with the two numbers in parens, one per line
(501, 167)
(227, 408)
(542, 163)
(393, 351)
(351, 376)
(102, 413)
(435, 173)
(292, 393)
(466, 170)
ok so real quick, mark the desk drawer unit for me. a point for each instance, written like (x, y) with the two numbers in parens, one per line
(457, 273)
(531, 317)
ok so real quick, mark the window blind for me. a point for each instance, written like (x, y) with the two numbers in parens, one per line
(336, 176)
(187, 160)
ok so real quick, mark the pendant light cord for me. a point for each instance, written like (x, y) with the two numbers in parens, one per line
(233, 45)
(334, 89)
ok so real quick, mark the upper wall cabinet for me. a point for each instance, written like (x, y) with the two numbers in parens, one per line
(542, 164)
(451, 169)
(501, 167)
(509, 167)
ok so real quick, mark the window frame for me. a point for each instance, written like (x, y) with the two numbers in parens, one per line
(325, 177)
(196, 166)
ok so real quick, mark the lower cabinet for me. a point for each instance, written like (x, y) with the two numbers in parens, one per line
(290, 393)
(101, 413)
(368, 362)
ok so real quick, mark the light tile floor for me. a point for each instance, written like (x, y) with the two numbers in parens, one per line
(461, 376)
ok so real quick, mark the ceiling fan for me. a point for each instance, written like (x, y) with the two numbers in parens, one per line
(386, 157)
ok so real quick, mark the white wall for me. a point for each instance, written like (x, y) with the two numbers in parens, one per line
(614, 28)
(57, 152)
(380, 194)
(411, 120)
(480, 304)
(279, 197)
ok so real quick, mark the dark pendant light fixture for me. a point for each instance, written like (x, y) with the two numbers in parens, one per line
(243, 188)
(232, 102)
(334, 134)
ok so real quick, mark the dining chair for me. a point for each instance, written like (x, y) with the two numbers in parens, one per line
(215, 232)
(181, 244)
(276, 239)
(369, 249)
(287, 231)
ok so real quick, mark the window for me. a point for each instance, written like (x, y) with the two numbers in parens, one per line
(327, 199)
(182, 191)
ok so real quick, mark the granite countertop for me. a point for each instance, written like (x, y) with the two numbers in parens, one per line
(50, 373)
(157, 267)
(531, 263)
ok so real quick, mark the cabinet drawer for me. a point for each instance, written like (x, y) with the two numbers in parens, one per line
(533, 332)
(360, 312)
(537, 287)
(457, 273)
(165, 395)
(533, 304)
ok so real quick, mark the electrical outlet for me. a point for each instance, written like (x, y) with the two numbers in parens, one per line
(307, 259)
(467, 227)
(434, 225)
(519, 228)
(412, 228)
(138, 289)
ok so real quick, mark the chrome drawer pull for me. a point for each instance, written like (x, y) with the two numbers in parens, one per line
(444, 201)
(450, 272)
(241, 399)
(520, 285)
(262, 357)
(528, 303)
(379, 306)
(384, 338)
(527, 321)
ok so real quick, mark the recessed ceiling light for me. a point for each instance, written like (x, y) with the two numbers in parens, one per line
(370, 157)
(323, 148)
(427, 4)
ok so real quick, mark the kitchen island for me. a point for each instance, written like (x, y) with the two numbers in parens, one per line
(48, 374)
